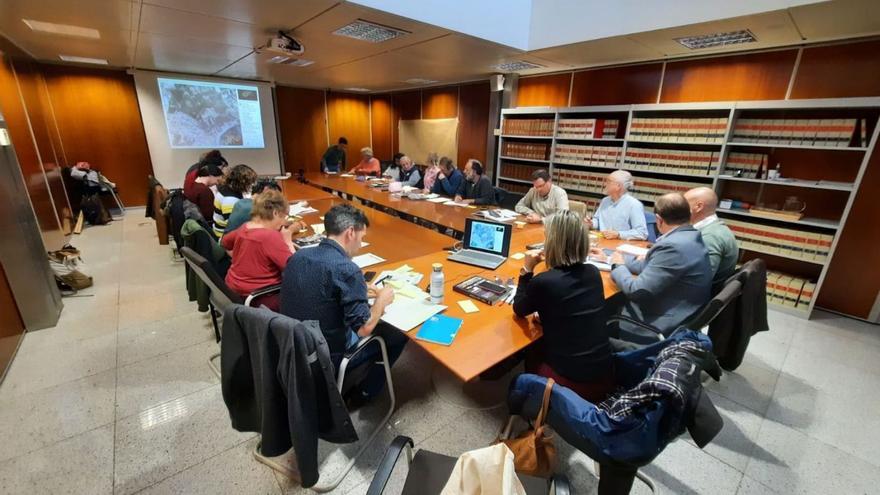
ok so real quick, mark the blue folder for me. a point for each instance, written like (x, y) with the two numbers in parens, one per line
(440, 329)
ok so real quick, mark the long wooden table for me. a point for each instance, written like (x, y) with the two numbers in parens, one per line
(486, 338)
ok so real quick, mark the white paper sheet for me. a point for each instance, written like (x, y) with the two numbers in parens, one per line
(438, 199)
(367, 259)
(318, 228)
(633, 250)
(406, 314)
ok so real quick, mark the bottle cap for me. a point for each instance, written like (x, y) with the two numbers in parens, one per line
(437, 267)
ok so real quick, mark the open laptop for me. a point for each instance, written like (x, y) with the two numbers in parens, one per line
(486, 244)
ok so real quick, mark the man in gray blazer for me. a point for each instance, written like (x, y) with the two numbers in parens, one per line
(674, 279)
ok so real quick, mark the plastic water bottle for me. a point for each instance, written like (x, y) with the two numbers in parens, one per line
(437, 281)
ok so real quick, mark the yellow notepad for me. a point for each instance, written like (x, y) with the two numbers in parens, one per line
(468, 306)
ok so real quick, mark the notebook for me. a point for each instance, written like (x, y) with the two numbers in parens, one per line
(440, 329)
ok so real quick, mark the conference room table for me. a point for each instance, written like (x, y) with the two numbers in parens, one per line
(487, 337)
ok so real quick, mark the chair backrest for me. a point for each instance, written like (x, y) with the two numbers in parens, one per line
(651, 220)
(578, 207)
(500, 195)
(731, 290)
(221, 295)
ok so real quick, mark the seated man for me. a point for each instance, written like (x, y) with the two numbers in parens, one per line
(323, 283)
(719, 240)
(620, 215)
(92, 180)
(674, 279)
(476, 188)
(543, 199)
(448, 180)
(409, 173)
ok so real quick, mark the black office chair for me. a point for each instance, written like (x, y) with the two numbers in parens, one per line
(500, 195)
(429, 471)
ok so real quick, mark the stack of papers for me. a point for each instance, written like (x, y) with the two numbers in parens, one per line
(453, 203)
(406, 314)
(438, 199)
(633, 250)
(499, 214)
(403, 274)
(368, 259)
(300, 209)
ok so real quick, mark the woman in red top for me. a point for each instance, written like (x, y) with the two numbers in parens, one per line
(368, 164)
(199, 190)
(261, 247)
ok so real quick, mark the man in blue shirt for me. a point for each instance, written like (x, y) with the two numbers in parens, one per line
(323, 283)
(620, 215)
(449, 179)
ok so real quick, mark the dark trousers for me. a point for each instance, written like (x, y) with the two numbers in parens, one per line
(395, 341)
(615, 479)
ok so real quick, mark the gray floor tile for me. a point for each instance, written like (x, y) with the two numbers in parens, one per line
(830, 375)
(738, 438)
(684, 469)
(749, 486)
(33, 421)
(766, 352)
(750, 385)
(154, 307)
(171, 437)
(473, 430)
(161, 337)
(88, 323)
(78, 465)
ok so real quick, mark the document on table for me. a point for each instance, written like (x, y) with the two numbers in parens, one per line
(365, 260)
(468, 306)
(453, 203)
(633, 250)
(438, 199)
(299, 209)
(318, 228)
(407, 314)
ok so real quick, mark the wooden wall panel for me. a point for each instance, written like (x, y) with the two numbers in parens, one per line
(349, 115)
(617, 85)
(440, 103)
(754, 76)
(100, 122)
(381, 119)
(473, 122)
(839, 71)
(11, 326)
(541, 91)
(302, 125)
(407, 106)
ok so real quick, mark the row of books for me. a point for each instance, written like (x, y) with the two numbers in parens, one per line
(789, 290)
(688, 162)
(649, 189)
(527, 127)
(679, 130)
(643, 188)
(518, 170)
(747, 165)
(515, 187)
(531, 151)
(597, 156)
(592, 203)
(792, 243)
(804, 132)
(587, 128)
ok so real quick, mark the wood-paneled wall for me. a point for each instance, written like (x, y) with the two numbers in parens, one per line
(11, 326)
(473, 122)
(440, 103)
(406, 105)
(539, 91)
(617, 86)
(349, 115)
(100, 122)
(382, 125)
(302, 127)
(839, 71)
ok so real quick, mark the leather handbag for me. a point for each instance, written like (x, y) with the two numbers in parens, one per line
(533, 451)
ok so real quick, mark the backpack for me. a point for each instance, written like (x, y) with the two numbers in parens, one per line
(93, 210)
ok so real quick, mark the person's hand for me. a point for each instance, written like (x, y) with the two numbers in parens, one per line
(610, 234)
(441, 176)
(458, 198)
(588, 221)
(533, 218)
(616, 258)
(596, 252)
(532, 259)
(385, 296)
(372, 291)
(289, 230)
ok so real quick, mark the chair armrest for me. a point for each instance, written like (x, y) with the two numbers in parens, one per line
(361, 345)
(389, 460)
(631, 321)
(560, 484)
(261, 292)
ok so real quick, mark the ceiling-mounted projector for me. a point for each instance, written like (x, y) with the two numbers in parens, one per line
(283, 44)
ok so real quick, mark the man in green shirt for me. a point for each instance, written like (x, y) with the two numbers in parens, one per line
(334, 158)
(719, 240)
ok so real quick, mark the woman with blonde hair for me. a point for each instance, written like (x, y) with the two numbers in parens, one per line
(261, 247)
(369, 165)
(570, 301)
(432, 170)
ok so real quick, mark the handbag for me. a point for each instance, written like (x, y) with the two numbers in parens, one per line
(533, 451)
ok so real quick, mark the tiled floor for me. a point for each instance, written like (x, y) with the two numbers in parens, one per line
(119, 398)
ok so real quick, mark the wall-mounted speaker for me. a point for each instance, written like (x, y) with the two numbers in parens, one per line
(496, 82)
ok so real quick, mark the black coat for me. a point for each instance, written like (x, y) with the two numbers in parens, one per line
(278, 381)
(745, 316)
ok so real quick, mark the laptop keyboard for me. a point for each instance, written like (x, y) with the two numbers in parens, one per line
(479, 256)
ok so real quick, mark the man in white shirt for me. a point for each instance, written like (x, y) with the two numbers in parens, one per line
(620, 215)
(543, 199)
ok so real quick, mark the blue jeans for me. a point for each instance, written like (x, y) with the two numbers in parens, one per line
(395, 341)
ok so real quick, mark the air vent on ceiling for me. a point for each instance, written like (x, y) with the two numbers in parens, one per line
(418, 80)
(717, 39)
(369, 31)
(517, 66)
(83, 60)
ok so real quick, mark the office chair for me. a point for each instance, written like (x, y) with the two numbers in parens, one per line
(651, 221)
(578, 207)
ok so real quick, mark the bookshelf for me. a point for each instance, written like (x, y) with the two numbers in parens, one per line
(822, 148)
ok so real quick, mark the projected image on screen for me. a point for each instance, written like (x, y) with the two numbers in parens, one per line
(201, 114)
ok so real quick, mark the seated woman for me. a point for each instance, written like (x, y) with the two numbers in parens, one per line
(432, 170)
(234, 186)
(261, 247)
(199, 192)
(393, 170)
(368, 164)
(570, 302)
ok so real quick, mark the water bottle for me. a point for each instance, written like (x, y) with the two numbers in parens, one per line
(437, 281)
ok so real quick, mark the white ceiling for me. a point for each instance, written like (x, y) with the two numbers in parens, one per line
(217, 37)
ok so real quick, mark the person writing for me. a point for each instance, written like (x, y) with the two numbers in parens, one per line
(333, 159)
(543, 199)
(241, 212)
(719, 240)
(570, 301)
(432, 170)
(323, 283)
(261, 248)
(620, 215)
(393, 170)
(448, 180)
(368, 164)
(234, 186)
(476, 188)
(199, 190)
(409, 173)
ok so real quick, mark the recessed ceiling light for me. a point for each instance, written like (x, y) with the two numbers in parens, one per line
(418, 80)
(63, 29)
(517, 66)
(278, 59)
(83, 60)
(300, 62)
(369, 31)
(360, 90)
(717, 39)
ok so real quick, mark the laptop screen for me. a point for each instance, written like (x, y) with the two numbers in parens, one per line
(489, 237)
